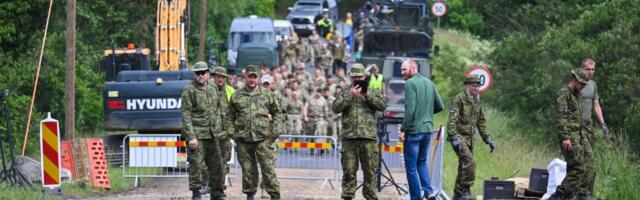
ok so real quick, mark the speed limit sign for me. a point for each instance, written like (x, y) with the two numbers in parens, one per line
(439, 9)
(486, 79)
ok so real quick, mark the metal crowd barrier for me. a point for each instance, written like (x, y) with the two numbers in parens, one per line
(159, 156)
(309, 158)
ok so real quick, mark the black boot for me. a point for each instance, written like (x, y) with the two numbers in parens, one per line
(585, 197)
(204, 189)
(195, 195)
(251, 196)
(466, 194)
(556, 196)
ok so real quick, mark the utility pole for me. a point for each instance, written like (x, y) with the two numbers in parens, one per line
(70, 81)
(203, 29)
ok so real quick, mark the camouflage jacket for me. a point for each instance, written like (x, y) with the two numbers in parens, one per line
(224, 109)
(358, 114)
(250, 111)
(568, 114)
(200, 111)
(294, 107)
(465, 116)
(317, 107)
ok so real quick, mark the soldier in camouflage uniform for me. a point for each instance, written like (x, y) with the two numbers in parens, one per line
(574, 139)
(294, 115)
(315, 111)
(465, 116)
(255, 134)
(291, 56)
(324, 59)
(225, 92)
(305, 53)
(332, 123)
(359, 135)
(201, 122)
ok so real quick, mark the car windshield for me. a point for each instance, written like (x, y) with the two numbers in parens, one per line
(282, 31)
(395, 93)
(238, 38)
(308, 6)
(396, 44)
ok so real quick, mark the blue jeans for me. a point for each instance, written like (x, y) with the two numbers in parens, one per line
(415, 163)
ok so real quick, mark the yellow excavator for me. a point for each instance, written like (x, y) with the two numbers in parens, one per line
(138, 98)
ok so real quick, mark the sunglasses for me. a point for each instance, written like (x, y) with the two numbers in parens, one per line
(200, 73)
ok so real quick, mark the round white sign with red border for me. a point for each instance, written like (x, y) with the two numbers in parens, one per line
(486, 79)
(438, 9)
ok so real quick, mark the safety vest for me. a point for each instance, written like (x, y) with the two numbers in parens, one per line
(325, 23)
(229, 91)
(375, 83)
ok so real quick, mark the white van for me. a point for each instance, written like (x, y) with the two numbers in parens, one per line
(284, 29)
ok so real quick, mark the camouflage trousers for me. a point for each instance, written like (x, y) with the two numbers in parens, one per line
(225, 149)
(316, 127)
(590, 156)
(205, 163)
(364, 152)
(580, 167)
(466, 168)
(334, 127)
(250, 154)
(294, 124)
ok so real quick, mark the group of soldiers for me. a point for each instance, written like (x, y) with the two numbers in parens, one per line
(257, 113)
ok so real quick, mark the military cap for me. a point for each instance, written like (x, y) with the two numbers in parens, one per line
(220, 71)
(265, 79)
(252, 69)
(200, 66)
(472, 79)
(580, 75)
(356, 70)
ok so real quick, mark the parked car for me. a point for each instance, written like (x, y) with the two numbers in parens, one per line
(305, 13)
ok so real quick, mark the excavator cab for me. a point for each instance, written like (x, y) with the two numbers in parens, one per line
(131, 58)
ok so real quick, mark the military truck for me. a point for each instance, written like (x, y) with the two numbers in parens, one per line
(252, 40)
(398, 31)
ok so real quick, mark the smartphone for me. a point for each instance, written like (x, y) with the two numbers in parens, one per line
(363, 84)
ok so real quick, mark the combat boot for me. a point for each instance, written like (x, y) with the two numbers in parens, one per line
(251, 196)
(205, 189)
(196, 195)
(556, 196)
(585, 197)
(466, 194)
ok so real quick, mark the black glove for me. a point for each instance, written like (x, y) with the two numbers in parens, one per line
(491, 144)
(456, 142)
(605, 130)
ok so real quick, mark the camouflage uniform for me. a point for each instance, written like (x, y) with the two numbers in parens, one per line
(570, 127)
(201, 115)
(291, 58)
(224, 92)
(317, 110)
(294, 116)
(359, 138)
(305, 53)
(332, 123)
(255, 135)
(465, 116)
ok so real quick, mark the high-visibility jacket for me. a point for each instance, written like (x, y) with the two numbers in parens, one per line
(230, 90)
(376, 82)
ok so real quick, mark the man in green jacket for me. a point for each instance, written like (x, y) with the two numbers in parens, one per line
(465, 116)
(200, 123)
(255, 133)
(421, 102)
(359, 135)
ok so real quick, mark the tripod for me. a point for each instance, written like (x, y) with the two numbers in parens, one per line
(10, 173)
(383, 138)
